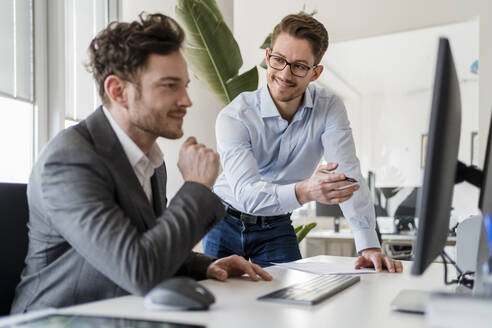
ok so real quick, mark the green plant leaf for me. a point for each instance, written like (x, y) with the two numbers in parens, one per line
(267, 42)
(304, 231)
(211, 50)
(263, 64)
(244, 82)
(298, 228)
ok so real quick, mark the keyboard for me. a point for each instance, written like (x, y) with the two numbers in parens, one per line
(312, 291)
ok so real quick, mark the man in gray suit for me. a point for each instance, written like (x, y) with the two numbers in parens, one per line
(99, 226)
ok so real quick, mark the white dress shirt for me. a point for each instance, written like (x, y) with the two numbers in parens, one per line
(143, 165)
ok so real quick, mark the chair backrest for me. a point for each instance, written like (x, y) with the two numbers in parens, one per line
(14, 214)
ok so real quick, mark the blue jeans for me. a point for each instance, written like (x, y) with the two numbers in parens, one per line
(262, 243)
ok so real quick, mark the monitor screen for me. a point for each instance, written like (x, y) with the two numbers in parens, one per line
(328, 210)
(434, 203)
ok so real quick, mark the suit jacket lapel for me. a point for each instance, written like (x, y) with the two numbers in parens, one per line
(109, 147)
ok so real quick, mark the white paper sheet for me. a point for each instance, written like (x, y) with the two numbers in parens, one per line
(324, 268)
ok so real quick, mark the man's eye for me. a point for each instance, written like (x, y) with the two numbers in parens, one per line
(170, 85)
(301, 67)
(279, 60)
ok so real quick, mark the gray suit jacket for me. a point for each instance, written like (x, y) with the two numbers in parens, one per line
(93, 234)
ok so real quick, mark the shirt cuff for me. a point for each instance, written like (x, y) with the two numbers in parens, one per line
(365, 238)
(287, 198)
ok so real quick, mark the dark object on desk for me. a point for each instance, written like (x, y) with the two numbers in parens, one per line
(75, 320)
(405, 213)
(14, 214)
(313, 291)
(336, 224)
(179, 293)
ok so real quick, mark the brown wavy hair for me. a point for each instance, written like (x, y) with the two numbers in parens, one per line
(302, 26)
(123, 49)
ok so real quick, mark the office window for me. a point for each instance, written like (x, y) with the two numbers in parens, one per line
(16, 49)
(16, 139)
(16, 90)
(83, 20)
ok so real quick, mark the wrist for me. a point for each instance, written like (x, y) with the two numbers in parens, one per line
(208, 185)
(301, 192)
(369, 250)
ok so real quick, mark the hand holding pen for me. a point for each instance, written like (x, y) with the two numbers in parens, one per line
(346, 178)
(326, 187)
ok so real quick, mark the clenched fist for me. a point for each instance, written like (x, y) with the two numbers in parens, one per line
(198, 163)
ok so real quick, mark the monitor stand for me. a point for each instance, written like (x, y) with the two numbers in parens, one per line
(410, 301)
(415, 301)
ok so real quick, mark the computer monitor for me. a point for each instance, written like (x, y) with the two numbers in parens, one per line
(434, 203)
(328, 210)
(485, 205)
(485, 199)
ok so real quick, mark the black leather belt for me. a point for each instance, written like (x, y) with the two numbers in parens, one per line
(252, 219)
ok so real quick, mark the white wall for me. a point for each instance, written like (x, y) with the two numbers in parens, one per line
(392, 129)
(200, 119)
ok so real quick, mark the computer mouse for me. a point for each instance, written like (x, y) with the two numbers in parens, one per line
(179, 293)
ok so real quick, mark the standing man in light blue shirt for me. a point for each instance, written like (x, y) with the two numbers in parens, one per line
(270, 143)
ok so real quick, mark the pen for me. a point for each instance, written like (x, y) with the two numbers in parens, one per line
(346, 178)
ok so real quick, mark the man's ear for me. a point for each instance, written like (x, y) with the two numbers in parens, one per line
(267, 51)
(115, 89)
(317, 72)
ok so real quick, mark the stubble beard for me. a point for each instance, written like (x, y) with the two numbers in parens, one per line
(293, 94)
(156, 126)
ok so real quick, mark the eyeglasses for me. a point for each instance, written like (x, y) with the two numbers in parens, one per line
(278, 63)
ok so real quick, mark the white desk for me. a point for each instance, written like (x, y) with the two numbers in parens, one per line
(366, 304)
(327, 241)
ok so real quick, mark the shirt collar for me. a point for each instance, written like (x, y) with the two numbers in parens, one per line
(269, 109)
(267, 106)
(132, 151)
(308, 98)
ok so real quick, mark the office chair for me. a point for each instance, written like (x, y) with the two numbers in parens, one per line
(13, 240)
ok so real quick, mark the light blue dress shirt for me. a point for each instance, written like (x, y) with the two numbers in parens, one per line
(263, 156)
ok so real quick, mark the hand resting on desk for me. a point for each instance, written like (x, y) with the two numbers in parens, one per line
(236, 266)
(374, 258)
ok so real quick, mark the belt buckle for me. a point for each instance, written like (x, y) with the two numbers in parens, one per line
(248, 218)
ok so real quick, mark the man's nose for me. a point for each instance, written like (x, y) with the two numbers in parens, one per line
(286, 73)
(185, 100)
